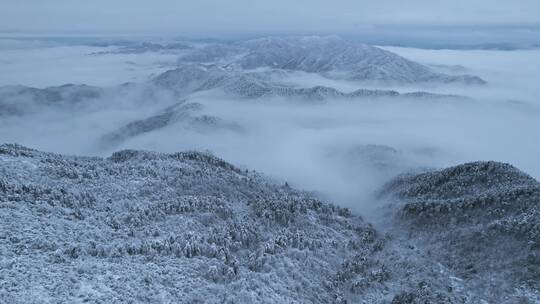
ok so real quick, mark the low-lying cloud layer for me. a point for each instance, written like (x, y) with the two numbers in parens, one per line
(344, 149)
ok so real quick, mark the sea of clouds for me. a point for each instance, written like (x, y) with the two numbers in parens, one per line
(343, 150)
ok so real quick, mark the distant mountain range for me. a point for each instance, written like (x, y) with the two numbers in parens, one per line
(250, 70)
(20, 100)
(256, 69)
(191, 78)
(145, 47)
(329, 56)
(184, 113)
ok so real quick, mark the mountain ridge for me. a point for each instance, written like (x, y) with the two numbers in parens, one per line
(192, 227)
(329, 56)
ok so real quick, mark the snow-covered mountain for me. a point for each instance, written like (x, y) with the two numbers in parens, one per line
(145, 47)
(249, 70)
(192, 78)
(184, 113)
(189, 227)
(481, 220)
(19, 100)
(329, 56)
(184, 227)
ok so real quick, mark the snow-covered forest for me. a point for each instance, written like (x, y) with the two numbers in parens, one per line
(321, 152)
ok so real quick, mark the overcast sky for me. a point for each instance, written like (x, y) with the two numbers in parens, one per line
(257, 16)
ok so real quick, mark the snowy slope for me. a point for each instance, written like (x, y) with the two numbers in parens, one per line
(145, 227)
(329, 56)
(481, 220)
(149, 227)
(192, 78)
(182, 113)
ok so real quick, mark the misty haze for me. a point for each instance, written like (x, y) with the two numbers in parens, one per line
(244, 152)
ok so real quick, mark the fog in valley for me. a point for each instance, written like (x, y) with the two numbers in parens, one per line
(270, 152)
(344, 149)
